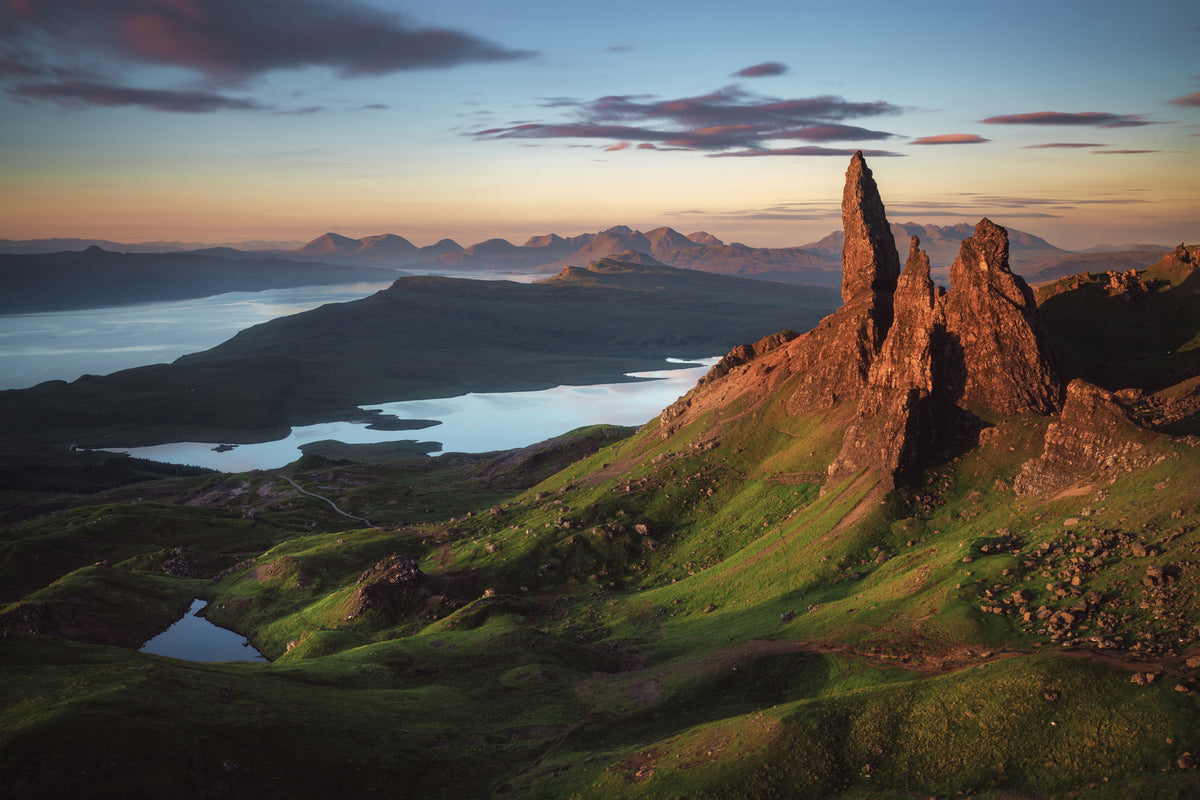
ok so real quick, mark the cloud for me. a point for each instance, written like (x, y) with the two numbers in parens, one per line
(1192, 99)
(82, 93)
(223, 42)
(726, 119)
(764, 70)
(951, 138)
(618, 146)
(1123, 152)
(808, 150)
(233, 38)
(1063, 144)
(619, 48)
(834, 133)
(1099, 119)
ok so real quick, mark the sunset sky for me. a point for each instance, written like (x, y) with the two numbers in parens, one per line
(227, 120)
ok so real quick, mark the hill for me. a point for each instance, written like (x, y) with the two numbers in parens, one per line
(924, 548)
(423, 337)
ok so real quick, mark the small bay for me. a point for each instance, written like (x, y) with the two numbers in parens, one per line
(470, 423)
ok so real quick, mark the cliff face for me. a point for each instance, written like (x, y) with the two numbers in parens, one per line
(908, 355)
(996, 348)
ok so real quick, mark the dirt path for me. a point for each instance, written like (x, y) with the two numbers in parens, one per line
(332, 504)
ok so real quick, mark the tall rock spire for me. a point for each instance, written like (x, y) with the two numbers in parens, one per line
(869, 258)
(894, 423)
(837, 359)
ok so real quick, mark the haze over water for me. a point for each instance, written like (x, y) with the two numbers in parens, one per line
(63, 345)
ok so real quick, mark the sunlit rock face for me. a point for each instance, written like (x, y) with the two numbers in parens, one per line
(998, 351)
(918, 363)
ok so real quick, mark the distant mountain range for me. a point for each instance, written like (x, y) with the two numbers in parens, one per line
(817, 262)
(32, 246)
(247, 265)
(549, 252)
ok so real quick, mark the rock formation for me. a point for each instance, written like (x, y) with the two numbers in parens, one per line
(894, 422)
(916, 361)
(836, 361)
(394, 583)
(996, 348)
(1094, 438)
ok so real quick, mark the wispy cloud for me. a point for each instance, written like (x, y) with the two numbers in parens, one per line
(83, 93)
(951, 138)
(1192, 99)
(222, 42)
(808, 150)
(1063, 145)
(1123, 152)
(1098, 119)
(727, 119)
(764, 70)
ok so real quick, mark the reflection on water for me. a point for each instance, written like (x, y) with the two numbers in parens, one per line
(470, 423)
(194, 638)
(63, 345)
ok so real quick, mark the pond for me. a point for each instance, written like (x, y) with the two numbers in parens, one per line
(194, 638)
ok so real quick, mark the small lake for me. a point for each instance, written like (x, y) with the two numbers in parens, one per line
(471, 423)
(194, 638)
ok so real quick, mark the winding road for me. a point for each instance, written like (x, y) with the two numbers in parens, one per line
(332, 504)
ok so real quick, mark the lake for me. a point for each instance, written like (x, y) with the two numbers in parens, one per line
(470, 423)
(194, 638)
(63, 345)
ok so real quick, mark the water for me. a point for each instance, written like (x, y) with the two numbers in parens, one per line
(194, 638)
(470, 423)
(63, 345)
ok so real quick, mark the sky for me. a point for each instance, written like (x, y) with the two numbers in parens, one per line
(227, 120)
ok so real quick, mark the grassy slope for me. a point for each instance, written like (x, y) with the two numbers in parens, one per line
(753, 638)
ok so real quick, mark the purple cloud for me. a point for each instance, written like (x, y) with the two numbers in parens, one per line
(81, 93)
(233, 39)
(63, 43)
(951, 138)
(1123, 152)
(1192, 99)
(1063, 144)
(1099, 119)
(808, 150)
(764, 70)
(727, 119)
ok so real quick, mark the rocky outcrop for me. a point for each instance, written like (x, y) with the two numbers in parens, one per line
(997, 359)
(835, 360)
(894, 422)
(1093, 439)
(394, 583)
